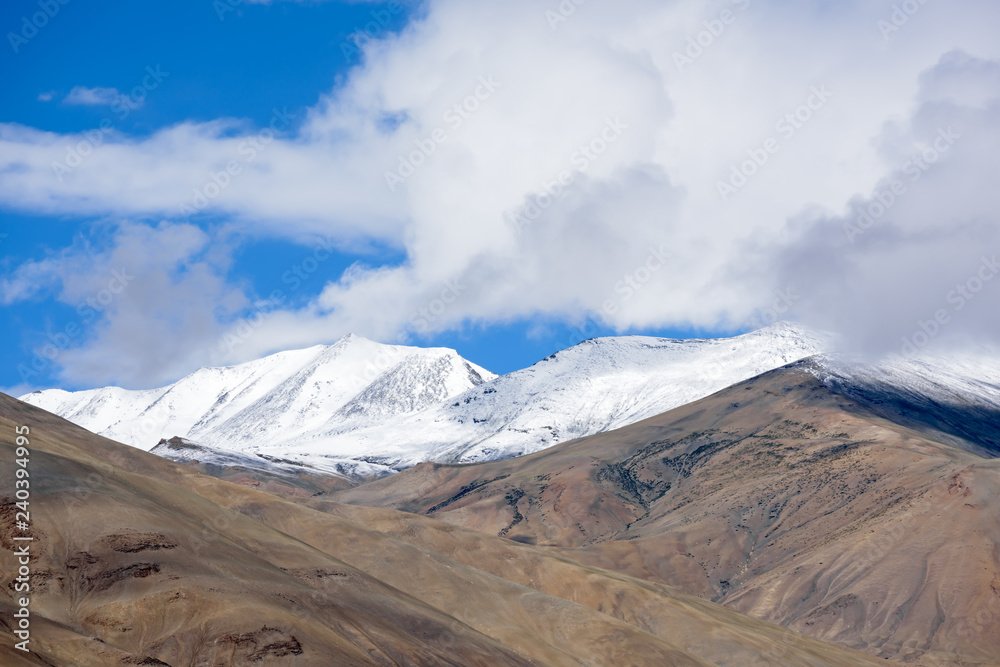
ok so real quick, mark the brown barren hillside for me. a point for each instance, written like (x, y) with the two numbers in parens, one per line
(775, 497)
(140, 561)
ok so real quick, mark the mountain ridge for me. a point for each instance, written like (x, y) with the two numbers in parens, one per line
(147, 562)
(272, 397)
(777, 496)
(362, 409)
(399, 406)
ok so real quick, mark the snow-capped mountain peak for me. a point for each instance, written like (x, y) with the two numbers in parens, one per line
(360, 407)
(596, 385)
(280, 396)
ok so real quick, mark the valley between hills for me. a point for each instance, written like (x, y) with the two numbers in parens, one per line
(143, 561)
(798, 517)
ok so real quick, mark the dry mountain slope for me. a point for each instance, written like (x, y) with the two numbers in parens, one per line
(141, 561)
(776, 497)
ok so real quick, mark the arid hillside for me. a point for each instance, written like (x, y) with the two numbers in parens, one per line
(141, 561)
(775, 497)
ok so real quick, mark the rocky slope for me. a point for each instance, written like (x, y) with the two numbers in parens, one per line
(778, 497)
(141, 561)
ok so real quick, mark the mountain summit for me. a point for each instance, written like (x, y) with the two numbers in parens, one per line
(285, 397)
(361, 408)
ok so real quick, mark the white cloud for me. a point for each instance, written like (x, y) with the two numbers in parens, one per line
(656, 185)
(46, 96)
(97, 97)
(916, 260)
(142, 306)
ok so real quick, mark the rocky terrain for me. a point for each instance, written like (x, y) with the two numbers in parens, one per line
(141, 561)
(777, 497)
(853, 503)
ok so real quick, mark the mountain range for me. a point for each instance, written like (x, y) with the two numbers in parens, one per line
(755, 500)
(137, 560)
(361, 409)
(780, 497)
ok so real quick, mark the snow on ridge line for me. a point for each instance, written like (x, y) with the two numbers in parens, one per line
(957, 396)
(399, 417)
(210, 397)
(595, 386)
(416, 404)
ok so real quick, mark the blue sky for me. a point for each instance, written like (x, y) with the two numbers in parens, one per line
(203, 182)
(217, 60)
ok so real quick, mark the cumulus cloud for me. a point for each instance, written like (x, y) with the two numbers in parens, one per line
(916, 261)
(476, 140)
(95, 97)
(139, 301)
